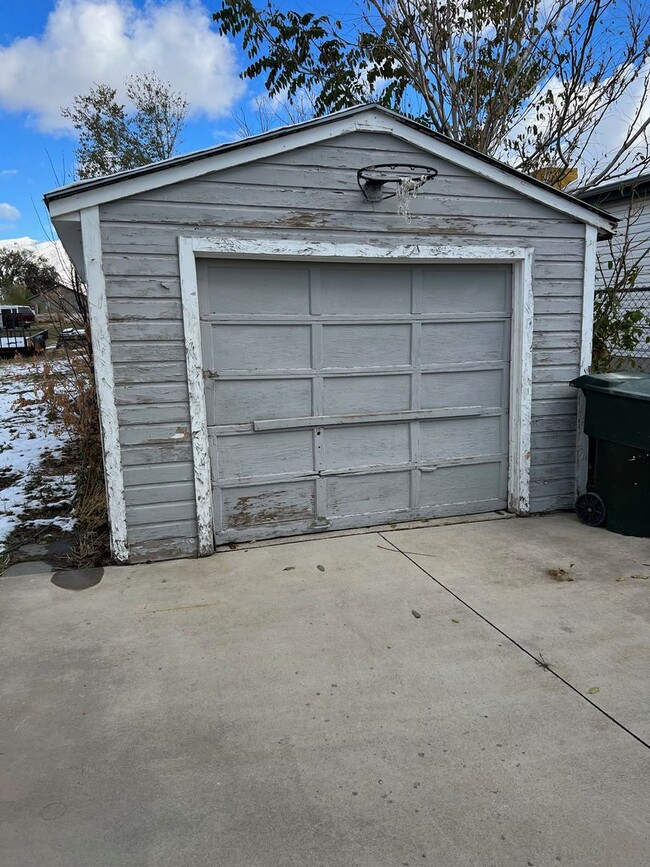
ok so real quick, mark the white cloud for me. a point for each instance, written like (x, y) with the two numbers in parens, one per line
(8, 212)
(51, 251)
(612, 124)
(5, 172)
(103, 41)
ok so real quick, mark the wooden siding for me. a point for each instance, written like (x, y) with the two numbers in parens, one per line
(637, 215)
(312, 194)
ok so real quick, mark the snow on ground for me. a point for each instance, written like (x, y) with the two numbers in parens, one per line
(27, 438)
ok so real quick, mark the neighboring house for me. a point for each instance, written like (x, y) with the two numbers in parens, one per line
(279, 351)
(629, 200)
(59, 301)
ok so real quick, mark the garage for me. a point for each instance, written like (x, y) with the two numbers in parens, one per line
(348, 322)
(345, 395)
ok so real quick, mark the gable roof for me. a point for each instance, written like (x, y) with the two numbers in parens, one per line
(616, 191)
(375, 118)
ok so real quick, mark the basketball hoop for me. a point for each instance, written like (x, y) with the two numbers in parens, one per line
(383, 181)
(388, 180)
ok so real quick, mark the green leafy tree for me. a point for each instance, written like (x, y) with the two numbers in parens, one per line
(23, 274)
(112, 139)
(528, 81)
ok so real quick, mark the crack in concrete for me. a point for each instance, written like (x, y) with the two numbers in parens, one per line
(514, 641)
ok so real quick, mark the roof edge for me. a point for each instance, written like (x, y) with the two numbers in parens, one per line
(195, 156)
(625, 188)
(605, 221)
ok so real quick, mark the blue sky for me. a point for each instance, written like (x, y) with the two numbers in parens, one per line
(51, 50)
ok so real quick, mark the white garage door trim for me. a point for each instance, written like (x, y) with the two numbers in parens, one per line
(521, 259)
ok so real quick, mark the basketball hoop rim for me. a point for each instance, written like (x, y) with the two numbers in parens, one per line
(371, 181)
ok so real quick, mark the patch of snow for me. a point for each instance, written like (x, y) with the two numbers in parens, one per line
(65, 524)
(26, 437)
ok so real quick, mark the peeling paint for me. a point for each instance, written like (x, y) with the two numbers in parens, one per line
(250, 510)
(103, 365)
(198, 415)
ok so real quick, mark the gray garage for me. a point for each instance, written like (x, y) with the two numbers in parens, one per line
(281, 349)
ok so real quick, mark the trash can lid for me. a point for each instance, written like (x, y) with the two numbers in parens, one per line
(625, 384)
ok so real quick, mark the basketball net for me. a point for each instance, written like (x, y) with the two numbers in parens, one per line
(407, 190)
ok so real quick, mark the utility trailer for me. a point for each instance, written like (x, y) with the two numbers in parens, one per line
(21, 341)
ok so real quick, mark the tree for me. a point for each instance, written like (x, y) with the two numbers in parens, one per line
(530, 82)
(621, 320)
(23, 274)
(112, 140)
(527, 81)
(266, 114)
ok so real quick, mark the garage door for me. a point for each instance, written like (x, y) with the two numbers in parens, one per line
(347, 395)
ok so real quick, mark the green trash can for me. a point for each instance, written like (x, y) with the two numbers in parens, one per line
(617, 417)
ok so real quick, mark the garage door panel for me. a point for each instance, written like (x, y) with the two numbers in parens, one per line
(262, 454)
(244, 401)
(291, 343)
(465, 388)
(365, 495)
(358, 394)
(261, 347)
(256, 289)
(382, 290)
(445, 439)
(472, 289)
(460, 342)
(267, 505)
(350, 346)
(366, 445)
(462, 484)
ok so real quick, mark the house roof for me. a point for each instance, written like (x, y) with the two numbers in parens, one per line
(95, 191)
(46, 290)
(618, 190)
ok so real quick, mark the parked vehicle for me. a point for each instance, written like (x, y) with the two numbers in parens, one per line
(16, 316)
(71, 336)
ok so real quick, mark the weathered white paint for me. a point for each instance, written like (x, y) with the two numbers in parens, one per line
(521, 385)
(198, 417)
(279, 248)
(522, 335)
(102, 359)
(373, 119)
(586, 344)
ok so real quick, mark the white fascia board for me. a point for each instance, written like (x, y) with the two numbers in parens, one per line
(373, 121)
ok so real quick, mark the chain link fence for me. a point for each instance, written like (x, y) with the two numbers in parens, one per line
(625, 343)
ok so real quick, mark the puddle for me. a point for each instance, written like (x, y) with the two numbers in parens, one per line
(78, 579)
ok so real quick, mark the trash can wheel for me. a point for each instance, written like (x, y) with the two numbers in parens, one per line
(590, 510)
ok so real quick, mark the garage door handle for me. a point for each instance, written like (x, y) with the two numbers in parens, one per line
(366, 418)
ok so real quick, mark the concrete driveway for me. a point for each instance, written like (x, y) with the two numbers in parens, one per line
(335, 702)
